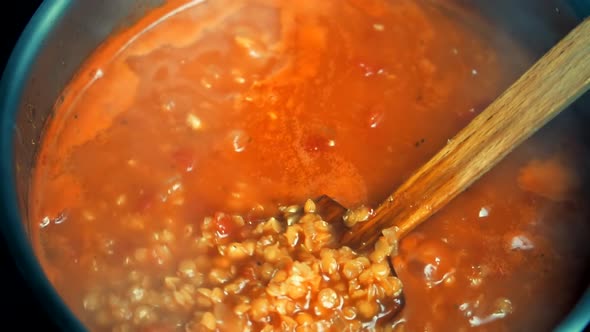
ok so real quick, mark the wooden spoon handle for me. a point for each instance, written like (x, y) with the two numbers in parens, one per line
(552, 84)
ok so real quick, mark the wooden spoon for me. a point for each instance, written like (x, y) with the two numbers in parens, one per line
(548, 87)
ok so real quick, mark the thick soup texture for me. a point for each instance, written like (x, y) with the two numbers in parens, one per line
(183, 135)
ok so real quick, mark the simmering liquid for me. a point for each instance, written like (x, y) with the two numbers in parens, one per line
(239, 107)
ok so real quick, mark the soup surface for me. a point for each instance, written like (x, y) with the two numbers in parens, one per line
(208, 117)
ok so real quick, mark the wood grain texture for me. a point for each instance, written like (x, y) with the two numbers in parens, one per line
(547, 88)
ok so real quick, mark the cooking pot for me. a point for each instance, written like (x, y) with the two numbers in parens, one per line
(62, 33)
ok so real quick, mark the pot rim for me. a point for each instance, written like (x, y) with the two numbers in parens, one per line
(12, 85)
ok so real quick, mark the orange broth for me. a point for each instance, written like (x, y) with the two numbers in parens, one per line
(242, 106)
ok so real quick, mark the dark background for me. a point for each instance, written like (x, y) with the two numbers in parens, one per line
(19, 310)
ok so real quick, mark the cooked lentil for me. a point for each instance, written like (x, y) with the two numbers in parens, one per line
(262, 282)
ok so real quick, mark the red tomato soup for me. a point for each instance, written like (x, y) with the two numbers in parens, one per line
(171, 190)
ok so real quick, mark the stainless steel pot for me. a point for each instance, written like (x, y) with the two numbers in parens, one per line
(63, 33)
